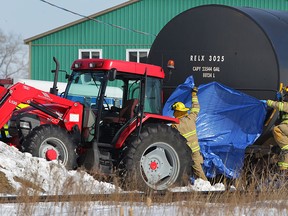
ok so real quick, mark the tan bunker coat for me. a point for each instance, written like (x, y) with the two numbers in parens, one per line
(187, 128)
(280, 132)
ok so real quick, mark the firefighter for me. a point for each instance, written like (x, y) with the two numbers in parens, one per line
(280, 132)
(187, 128)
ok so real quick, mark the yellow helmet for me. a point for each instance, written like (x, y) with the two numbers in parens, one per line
(179, 106)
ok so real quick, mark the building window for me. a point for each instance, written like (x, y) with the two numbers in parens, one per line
(90, 53)
(137, 55)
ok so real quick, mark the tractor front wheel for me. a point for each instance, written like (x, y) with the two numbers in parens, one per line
(158, 159)
(52, 143)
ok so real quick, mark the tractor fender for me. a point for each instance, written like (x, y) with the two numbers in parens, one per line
(134, 124)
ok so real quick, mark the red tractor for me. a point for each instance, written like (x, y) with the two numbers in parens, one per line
(86, 126)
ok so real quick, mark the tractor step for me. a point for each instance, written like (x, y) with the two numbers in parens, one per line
(105, 145)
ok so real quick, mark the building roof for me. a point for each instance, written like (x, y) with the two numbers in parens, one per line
(28, 40)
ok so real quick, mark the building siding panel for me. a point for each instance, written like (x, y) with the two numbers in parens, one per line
(145, 15)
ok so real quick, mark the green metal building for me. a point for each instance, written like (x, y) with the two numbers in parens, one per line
(124, 32)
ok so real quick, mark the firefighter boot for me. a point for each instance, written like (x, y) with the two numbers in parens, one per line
(197, 165)
(282, 175)
(283, 160)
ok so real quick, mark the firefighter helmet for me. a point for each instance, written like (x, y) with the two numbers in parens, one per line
(179, 106)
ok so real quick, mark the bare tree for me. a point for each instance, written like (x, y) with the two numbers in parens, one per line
(13, 57)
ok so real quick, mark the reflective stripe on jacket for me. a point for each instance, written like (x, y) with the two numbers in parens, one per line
(282, 107)
(187, 125)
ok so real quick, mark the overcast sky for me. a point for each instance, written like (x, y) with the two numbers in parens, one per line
(28, 18)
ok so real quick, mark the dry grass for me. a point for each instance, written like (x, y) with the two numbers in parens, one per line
(259, 187)
(5, 186)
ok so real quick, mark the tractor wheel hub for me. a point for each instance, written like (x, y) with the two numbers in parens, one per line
(153, 165)
(51, 154)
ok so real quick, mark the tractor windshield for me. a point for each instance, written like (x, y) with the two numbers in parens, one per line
(84, 87)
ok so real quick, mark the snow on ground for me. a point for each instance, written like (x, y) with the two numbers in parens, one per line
(52, 177)
(200, 185)
(140, 209)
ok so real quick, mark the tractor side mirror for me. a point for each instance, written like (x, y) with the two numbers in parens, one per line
(112, 74)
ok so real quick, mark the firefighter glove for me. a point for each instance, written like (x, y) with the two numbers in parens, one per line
(264, 101)
(279, 96)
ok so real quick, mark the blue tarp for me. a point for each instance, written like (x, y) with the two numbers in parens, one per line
(228, 122)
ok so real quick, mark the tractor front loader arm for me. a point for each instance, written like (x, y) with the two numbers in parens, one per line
(70, 112)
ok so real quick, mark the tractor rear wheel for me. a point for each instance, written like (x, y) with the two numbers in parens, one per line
(159, 159)
(52, 143)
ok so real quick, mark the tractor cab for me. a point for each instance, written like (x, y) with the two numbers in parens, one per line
(114, 94)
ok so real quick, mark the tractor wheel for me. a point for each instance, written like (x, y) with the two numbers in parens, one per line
(159, 159)
(52, 143)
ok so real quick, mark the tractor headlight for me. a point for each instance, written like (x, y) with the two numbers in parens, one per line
(12, 128)
(25, 125)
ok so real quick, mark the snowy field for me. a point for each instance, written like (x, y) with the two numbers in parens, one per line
(52, 178)
(139, 209)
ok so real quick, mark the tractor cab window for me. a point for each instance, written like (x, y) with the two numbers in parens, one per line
(153, 96)
(121, 90)
(130, 88)
(133, 89)
(85, 87)
(113, 96)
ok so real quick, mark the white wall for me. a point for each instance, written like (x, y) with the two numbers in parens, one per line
(42, 85)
